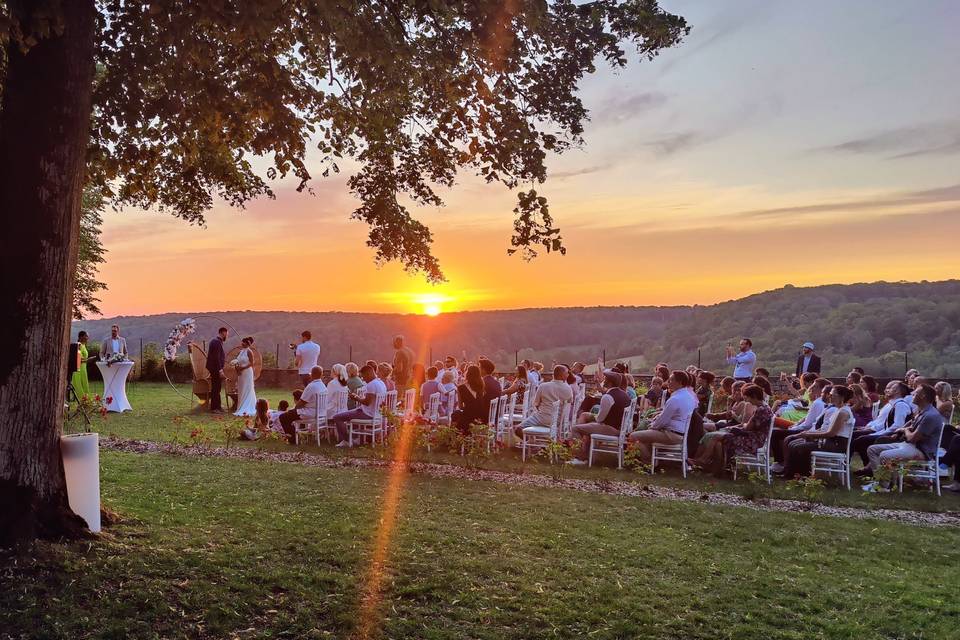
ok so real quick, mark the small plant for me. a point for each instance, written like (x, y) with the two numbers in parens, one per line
(810, 487)
(557, 453)
(632, 459)
(476, 446)
(757, 486)
(233, 429)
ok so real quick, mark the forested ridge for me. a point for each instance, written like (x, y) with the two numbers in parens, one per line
(872, 325)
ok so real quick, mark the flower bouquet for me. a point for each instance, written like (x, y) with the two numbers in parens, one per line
(115, 358)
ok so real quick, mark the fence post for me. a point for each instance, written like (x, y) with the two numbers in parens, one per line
(516, 357)
(278, 355)
(604, 358)
(698, 357)
(906, 363)
(350, 352)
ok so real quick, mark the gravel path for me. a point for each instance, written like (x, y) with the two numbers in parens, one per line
(633, 489)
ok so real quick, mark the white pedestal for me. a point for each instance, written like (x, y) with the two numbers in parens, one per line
(81, 466)
(115, 385)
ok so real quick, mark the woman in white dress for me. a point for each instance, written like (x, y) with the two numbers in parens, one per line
(247, 400)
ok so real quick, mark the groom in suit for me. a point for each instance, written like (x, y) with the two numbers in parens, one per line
(114, 344)
(216, 359)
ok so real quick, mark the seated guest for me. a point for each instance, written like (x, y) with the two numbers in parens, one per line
(832, 437)
(519, 381)
(853, 378)
(338, 383)
(762, 372)
(607, 422)
(473, 403)
(538, 371)
(448, 385)
(721, 448)
(491, 386)
(306, 406)
(651, 399)
(891, 419)
(944, 399)
(739, 410)
(354, 382)
(547, 398)
(795, 410)
(627, 385)
(577, 371)
(704, 390)
(764, 383)
(428, 388)
(859, 370)
(366, 400)
(532, 376)
(673, 421)
(817, 415)
(384, 369)
(261, 422)
(450, 364)
(861, 406)
(869, 384)
(372, 363)
(920, 439)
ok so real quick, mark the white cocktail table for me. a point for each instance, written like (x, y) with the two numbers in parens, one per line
(115, 385)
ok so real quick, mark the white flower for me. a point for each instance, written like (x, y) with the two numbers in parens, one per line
(234, 362)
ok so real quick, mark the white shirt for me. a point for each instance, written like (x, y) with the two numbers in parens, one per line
(806, 364)
(533, 377)
(549, 395)
(311, 395)
(816, 409)
(743, 363)
(309, 353)
(846, 415)
(677, 411)
(375, 387)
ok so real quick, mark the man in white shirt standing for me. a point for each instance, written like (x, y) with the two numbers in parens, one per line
(366, 399)
(307, 357)
(744, 361)
(114, 344)
(673, 421)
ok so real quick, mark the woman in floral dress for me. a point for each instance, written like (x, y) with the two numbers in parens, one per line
(716, 452)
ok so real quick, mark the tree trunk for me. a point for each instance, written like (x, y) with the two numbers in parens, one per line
(44, 129)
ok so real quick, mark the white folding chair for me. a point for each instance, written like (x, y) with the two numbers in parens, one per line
(315, 424)
(433, 408)
(832, 462)
(449, 406)
(922, 469)
(600, 443)
(710, 403)
(504, 408)
(760, 460)
(409, 405)
(671, 452)
(373, 426)
(876, 409)
(538, 437)
(528, 395)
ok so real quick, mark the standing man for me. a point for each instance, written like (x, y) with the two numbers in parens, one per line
(807, 361)
(216, 359)
(743, 362)
(402, 365)
(114, 344)
(307, 356)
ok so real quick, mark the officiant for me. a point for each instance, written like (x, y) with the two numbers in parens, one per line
(115, 344)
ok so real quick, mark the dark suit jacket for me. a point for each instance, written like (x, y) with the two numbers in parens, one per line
(215, 356)
(814, 365)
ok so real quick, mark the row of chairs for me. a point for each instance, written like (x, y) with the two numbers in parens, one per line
(838, 462)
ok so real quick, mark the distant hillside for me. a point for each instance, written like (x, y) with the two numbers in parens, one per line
(872, 325)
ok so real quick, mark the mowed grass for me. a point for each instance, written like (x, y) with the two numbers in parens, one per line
(219, 548)
(157, 405)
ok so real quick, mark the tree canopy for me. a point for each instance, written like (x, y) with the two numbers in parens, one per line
(90, 256)
(199, 100)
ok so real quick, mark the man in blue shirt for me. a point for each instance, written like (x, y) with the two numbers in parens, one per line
(920, 439)
(743, 362)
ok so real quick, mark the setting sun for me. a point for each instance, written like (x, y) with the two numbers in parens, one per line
(432, 310)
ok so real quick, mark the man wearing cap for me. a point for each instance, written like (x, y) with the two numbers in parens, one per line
(808, 361)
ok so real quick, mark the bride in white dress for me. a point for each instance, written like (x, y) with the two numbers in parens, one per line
(247, 395)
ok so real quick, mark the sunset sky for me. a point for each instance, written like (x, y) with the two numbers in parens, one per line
(782, 142)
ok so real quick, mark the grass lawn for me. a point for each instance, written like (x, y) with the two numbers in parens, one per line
(227, 548)
(156, 406)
